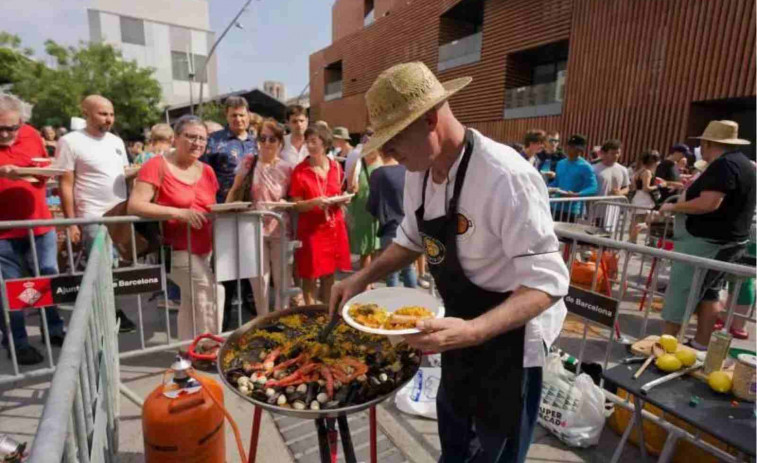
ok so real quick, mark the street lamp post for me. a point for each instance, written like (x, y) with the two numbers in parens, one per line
(213, 49)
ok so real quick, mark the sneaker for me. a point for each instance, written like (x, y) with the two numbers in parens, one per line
(127, 326)
(27, 355)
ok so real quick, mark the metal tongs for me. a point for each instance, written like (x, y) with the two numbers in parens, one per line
(326, 331)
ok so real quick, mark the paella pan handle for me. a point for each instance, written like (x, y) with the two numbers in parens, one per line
(212, 356)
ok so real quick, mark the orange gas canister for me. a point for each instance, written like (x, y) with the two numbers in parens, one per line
(180, 420)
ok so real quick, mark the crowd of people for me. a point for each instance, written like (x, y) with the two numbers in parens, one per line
(337, 201)
(176, 175)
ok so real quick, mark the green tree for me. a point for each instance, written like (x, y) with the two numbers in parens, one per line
(88, 69)
(213, 111)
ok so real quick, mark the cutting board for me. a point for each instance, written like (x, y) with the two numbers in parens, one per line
(644, 347)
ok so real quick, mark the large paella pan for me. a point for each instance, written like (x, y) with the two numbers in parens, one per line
(276, 363)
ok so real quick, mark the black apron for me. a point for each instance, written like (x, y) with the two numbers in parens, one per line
(483, 381)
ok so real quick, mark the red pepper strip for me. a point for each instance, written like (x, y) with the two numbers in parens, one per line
(288, 363)
(326, 372)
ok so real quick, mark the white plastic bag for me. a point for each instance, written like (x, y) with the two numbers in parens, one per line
(418, 397)
(573, 409)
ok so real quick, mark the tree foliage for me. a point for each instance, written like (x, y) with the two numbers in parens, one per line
(95, 68)
(214, 111)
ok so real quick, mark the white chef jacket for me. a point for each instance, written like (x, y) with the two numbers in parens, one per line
(509, 240)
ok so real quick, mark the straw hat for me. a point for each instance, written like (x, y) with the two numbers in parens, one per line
(725, 132)
(402, 94)
(340, 132)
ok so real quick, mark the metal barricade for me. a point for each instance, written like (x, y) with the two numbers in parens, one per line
(740, 273)
(80, 418)
(253, 219)
(578, 209)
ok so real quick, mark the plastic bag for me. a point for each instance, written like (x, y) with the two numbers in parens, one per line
(573, 409)
(418, 397)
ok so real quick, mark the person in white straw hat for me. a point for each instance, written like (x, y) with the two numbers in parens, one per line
(713, 219)
(479, 212)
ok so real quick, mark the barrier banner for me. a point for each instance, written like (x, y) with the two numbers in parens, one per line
(591, 306)
(63, 289)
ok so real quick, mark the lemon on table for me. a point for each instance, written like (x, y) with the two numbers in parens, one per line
(686, 356)
(668, 363)
(669, 343)
(719, 381)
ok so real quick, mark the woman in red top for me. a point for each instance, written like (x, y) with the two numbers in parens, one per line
(320, 226)
(181, 189)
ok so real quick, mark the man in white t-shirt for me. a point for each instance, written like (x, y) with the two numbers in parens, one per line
(94, 182)
(612, 180)
(480, 214)
(295, 150)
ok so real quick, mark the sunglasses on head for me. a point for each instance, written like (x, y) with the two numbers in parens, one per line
(264, 139)
(9, 128)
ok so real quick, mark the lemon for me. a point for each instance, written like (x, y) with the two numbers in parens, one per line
(668, 362)
(686, 357)
(669, 343)
(719, 382)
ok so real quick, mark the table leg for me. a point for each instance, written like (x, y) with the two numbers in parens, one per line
(323, 440)
(255, 434)
(669, 447)
(638, 406)
(333, 436)
(372, 422)
(347, 447)
(623, 440)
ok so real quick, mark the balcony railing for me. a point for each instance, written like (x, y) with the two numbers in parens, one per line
(535, 100)
(460, 52)
(333, 91)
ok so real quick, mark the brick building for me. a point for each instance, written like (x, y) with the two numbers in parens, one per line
(650, 72)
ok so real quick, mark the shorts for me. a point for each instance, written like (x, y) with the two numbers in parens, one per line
(682, 275)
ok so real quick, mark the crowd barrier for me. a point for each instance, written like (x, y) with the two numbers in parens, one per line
(80, 419)
(141, 277)
(602, 312)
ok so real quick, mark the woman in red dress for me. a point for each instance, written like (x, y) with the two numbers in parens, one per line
(320, 227)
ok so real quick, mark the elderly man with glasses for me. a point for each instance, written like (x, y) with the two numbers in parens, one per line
(24, 199)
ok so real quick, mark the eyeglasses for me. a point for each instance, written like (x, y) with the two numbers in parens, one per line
(271, 139)
(199, 139)
(554, 140)
(9, 128)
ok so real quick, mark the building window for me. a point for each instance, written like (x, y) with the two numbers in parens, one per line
(535, 81)
(460, 34)
(333, 77)
(132, 31)
(184, 64)
(368, 15)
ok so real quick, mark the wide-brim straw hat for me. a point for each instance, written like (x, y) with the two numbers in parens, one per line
(725, 132)
(402, 94)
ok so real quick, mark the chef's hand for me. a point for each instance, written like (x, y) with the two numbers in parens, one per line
(343, 291)
(441, 334)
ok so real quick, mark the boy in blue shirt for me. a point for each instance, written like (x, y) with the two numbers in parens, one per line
(574, 177)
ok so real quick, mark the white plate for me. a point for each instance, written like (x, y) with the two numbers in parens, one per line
(42, 171)
(338, 199)
(226, 207)
(392, 299)
(42, 160)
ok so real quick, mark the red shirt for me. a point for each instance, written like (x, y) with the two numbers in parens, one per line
(173, 192)
(19, 199)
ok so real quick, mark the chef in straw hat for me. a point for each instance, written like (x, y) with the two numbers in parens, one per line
(712, 220)
(479, 213)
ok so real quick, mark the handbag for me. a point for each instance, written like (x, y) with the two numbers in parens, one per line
(244, 193)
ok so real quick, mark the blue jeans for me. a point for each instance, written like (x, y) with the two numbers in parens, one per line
(466, 441)
(16, 262)
(409, 278)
